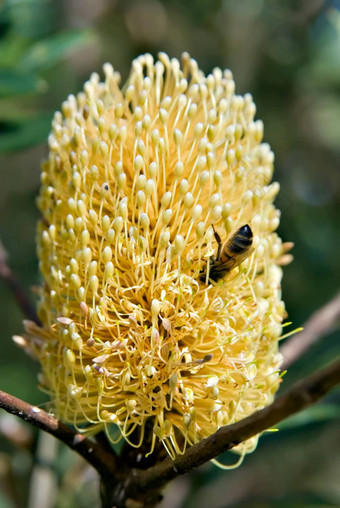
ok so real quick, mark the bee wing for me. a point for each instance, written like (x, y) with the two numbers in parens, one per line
(242, 257)
(225, 266)
(233, 261)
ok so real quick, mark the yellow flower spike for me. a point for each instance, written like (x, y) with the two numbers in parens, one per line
(134, 327)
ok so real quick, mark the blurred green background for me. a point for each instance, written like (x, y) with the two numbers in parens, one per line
(287, 54)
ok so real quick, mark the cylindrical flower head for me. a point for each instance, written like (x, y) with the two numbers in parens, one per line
(145, 316)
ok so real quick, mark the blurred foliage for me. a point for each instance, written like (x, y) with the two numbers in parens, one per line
(287, 54)
(29, 47)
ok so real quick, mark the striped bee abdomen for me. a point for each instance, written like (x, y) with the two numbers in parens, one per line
(239, 242)
(235, 250)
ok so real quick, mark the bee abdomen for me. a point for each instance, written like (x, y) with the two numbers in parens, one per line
(241, 240)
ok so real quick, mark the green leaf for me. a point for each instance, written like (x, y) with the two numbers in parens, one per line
(24, 134)
(47, 52)
(13, 82)
(12, 47)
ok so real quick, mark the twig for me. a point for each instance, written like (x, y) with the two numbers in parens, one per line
(323, 321)
(100, 458)
(300, 396)
(19, 294)
(117, 479)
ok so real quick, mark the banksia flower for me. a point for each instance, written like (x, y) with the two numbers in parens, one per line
(142, 319)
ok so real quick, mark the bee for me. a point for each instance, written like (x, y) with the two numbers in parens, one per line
(230, 254)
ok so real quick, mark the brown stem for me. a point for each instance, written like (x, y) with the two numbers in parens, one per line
(143, 486)
(323, 321)
(300, 396)
(102, 459)
(19, 294)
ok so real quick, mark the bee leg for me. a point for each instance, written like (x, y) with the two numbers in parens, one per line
(219, 243)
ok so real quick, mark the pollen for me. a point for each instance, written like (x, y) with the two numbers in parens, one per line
(137, 179)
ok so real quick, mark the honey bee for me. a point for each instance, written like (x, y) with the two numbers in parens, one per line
(230, 254)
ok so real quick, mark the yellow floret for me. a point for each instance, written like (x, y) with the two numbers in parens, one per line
(135, 179)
